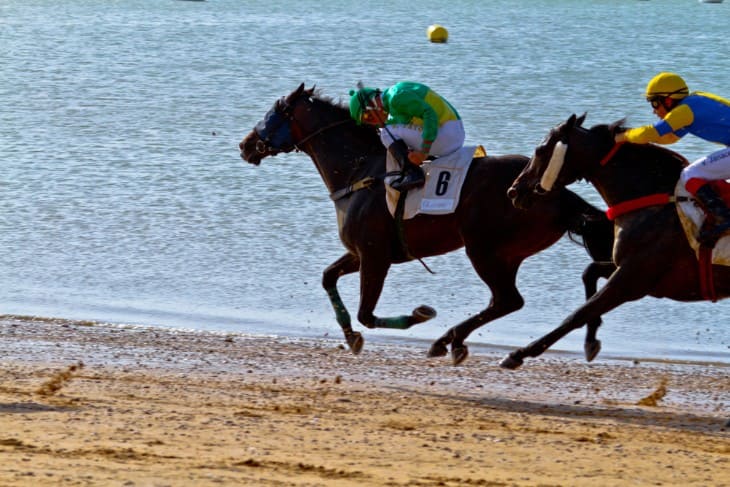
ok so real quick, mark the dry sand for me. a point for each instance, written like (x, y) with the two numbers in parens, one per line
(92, 404)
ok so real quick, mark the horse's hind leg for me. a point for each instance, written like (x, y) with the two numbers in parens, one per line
(500, 276)
(347, 264)
(591, 274)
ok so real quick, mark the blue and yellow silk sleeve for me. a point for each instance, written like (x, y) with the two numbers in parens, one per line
(649, 134)
(677, 119)
(665, 131)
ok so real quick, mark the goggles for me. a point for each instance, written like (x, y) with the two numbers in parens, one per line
(656, 101)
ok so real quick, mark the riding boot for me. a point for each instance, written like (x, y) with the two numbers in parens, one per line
(411, 176)
(713, 203)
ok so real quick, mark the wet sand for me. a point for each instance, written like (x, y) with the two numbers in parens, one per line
(84, 403)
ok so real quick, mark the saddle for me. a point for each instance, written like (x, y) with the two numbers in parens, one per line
(692, 217)
(440, 194)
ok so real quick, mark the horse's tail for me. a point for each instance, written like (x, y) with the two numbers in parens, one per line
(589, 227)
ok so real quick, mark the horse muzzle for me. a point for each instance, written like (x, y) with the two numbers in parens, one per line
(252, 149)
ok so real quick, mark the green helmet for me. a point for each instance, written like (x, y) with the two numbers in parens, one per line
(359, 100)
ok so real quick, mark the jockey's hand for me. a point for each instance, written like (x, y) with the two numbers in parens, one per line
(417, 157)
(619, 138)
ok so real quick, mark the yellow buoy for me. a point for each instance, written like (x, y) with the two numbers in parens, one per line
(437, 33)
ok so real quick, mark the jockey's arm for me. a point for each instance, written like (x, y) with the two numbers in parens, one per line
(648, 134)
(665, 131)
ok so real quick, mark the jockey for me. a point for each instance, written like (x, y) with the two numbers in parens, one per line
(702, 114)
(414, 114)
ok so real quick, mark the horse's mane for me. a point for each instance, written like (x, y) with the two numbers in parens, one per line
(367, 133)
(644, 151)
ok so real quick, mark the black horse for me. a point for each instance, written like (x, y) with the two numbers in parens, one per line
(651, 253)
(497, 237)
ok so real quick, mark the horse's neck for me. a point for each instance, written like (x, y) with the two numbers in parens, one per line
(340, 164)
(635, 172)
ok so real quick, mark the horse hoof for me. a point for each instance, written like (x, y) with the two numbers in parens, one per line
(459, 354)
(355, 341)
(510, 362)
(591, 349)
(438, 349)
(423, 313)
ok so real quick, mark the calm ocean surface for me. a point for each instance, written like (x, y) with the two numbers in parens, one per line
(123, 197)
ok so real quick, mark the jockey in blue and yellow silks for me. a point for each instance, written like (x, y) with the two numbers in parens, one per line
(417, 115)
(701, 114)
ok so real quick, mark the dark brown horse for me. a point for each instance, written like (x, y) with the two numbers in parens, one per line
(497, 237)
(651, 252)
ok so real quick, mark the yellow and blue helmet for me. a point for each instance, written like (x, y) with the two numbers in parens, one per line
(666, 85)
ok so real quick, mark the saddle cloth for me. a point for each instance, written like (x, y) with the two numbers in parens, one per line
(692, 216)
(444, 179)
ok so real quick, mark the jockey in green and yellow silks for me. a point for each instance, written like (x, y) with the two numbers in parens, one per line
(417, 115)
(698, 113)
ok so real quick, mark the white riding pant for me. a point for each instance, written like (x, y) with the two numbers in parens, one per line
(450, 137)
(711, 167)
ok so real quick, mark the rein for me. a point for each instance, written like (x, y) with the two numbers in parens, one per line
(357, 185)
(319, 131)
(611, 153)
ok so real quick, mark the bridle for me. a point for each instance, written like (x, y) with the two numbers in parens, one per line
(557, 160)
(274, 131)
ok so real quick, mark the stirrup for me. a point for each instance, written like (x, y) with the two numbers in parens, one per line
(410, 180)
(710, 234)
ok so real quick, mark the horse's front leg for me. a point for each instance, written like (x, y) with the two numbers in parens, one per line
(620, 288)
(347, 264)
(372, 278)
(591, 274)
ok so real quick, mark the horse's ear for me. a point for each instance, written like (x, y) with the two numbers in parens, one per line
(294, 94)
(617, 127)
(574, 121)
(310, 91)
(579, 121)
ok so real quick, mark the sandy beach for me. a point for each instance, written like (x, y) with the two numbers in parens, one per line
(84, 403)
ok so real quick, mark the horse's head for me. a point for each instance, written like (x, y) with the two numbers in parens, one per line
(546, 165)
(273, 134)
(563, 157)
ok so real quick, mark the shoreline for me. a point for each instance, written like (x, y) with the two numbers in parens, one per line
(574, 350)
(153, 406)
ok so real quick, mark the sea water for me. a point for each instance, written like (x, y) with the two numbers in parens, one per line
(123, 197)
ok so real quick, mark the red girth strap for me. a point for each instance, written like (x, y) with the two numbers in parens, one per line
(615, 211)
